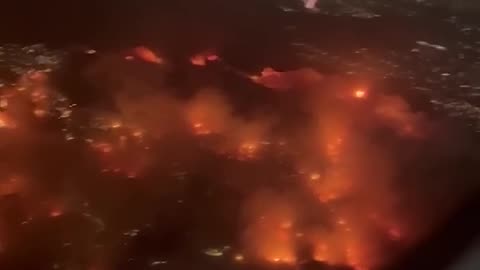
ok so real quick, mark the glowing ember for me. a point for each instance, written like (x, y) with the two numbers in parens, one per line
(314, 176)
(239, 257)
(116, 124)
(360, 93)
(254, 78)
(137, 133)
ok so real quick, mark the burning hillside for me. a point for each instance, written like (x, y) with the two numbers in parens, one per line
(311, 169)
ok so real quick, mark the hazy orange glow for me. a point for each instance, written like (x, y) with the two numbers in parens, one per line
(328, 246)
(239, 257)
(270, 235)
(333, 148)
(333, 186)
(56, 212)
(212, 57)
(39, 113)
(201, 129)
(12, 185)
(208, 113)
(198, 60)
(272, 79)
(201, 59)
(247, 150)
(103, 147)
(147, 55)
(116, 124)
(398, 115)
(315, 176)
(6, 121)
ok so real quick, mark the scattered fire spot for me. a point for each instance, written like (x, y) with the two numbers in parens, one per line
(314, 176)
(198, 60)
(394, 233)
(103, 147)
(239, 258)
(39, 113)
(200, 129)
(212, 57)
(56, 212)
(147, 55)
(202, 59)
(247, 150)
(6, 121)
(360, 94)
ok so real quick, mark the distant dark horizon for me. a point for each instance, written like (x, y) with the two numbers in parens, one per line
(107, 22)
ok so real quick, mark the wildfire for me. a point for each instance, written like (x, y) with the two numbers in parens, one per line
(338, 181)
(271, 232)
